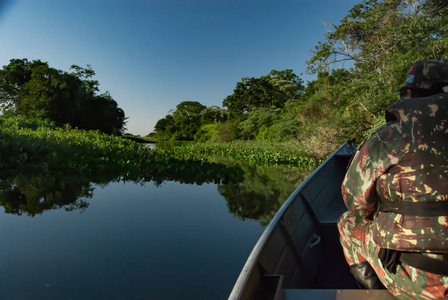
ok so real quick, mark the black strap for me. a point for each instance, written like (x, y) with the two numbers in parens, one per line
(425, 263)
(391, 258)
(422, 209)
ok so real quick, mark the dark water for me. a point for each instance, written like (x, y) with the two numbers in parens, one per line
(133, 240)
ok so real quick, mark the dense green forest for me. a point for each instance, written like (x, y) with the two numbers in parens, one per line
(358, 64)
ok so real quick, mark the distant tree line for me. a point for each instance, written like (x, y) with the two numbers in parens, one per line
(184, 122)
(256, 102)
(361, 60)
(33, 90)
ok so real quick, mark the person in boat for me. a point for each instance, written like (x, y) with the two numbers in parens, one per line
(395, 232)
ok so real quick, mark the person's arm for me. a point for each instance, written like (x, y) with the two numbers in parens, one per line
(382, 150)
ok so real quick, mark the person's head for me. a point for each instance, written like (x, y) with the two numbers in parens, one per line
(426, 78)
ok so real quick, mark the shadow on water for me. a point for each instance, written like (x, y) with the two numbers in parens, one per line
(252, 193)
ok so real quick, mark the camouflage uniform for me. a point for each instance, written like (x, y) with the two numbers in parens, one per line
(403, 162)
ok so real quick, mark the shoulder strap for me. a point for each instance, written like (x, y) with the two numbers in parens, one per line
(423, 209)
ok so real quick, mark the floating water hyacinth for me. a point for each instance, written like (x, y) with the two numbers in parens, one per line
(39, 145)
(252, 157)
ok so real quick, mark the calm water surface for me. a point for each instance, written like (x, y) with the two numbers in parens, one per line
(134, 241)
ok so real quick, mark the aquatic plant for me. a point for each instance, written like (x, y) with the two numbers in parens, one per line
(249, 156)
(40, 145)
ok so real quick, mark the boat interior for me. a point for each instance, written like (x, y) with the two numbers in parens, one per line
(301, 257)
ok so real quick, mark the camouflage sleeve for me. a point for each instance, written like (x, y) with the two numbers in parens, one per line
(382, 150)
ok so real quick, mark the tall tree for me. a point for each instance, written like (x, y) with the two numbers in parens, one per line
(182, 123)
(32, 89)
(271, 91)
(213, 114)
(376, 33)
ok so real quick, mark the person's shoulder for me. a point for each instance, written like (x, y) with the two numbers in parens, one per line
(387, 132)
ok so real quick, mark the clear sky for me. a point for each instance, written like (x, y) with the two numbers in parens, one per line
(153, 54)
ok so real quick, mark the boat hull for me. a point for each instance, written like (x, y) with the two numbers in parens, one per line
(299, 252)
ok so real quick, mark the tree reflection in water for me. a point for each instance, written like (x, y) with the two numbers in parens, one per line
(262, 192)
(254, 193)
(34, 191)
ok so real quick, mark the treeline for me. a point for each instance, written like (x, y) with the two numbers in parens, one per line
(255, 104)
(358, 65)
(33, 90)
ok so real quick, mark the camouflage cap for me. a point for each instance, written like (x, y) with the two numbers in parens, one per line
(427, 73)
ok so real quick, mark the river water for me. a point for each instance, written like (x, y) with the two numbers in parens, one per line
(127, 240)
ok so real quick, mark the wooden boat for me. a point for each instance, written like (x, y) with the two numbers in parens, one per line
(299, 255)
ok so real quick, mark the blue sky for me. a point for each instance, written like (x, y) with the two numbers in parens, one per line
(153, 54)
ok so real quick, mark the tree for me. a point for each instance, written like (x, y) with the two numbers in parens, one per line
(12, 78)
(272, 90)
(257, 119)
(375, 33)
(182, 123)
(102, 113)
(35, 90)
(379, 40)
(189, 108)
(84, 74)
(38, 97)
(213, 114)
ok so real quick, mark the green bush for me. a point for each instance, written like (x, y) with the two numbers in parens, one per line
(208, 132)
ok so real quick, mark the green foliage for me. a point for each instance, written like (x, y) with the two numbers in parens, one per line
(256, 119)
(260, 156)
(378, 123)
(380, 40)
(358, 65)
(185, 121)
(283, 129)
(41, 147)
(270, 91)
(224, 133)
(35, 90)
(208, 132)
(213, 115)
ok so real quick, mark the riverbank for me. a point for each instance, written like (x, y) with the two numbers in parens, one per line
(43, 146)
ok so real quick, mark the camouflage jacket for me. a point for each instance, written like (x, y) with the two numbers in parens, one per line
(405, 162)
(382, 150)
(420, 178)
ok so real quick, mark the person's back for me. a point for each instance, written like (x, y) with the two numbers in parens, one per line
(397, 191)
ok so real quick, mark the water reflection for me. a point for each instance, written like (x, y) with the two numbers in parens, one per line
(254, 193)
(34, 192)
(262, 192)
(139, 233)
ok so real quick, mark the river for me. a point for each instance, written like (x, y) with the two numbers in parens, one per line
(133, 240)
